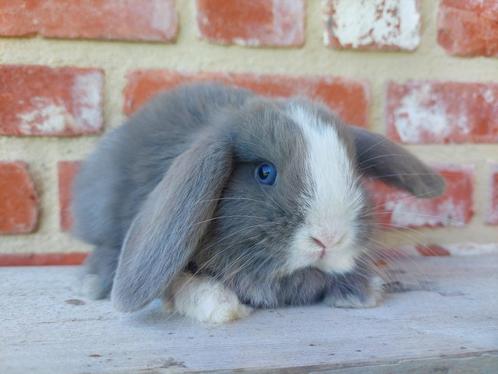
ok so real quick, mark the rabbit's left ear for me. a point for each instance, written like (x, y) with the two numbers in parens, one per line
(382, 159)
(169, 226)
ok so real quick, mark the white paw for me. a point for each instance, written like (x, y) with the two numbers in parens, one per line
(207, 300)
(220, 307)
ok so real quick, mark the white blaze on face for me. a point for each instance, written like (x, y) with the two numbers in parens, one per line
(334, 201)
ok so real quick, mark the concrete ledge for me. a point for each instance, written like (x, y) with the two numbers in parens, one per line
(442, 316)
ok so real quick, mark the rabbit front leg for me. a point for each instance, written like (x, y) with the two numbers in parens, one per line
(98, 272)
(354, 290)
(205, 299)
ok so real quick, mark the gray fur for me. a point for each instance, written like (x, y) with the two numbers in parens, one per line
(387, 161)
(175, 185)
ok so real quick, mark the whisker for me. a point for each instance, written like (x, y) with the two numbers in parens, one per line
(223, 217)
(214, 258)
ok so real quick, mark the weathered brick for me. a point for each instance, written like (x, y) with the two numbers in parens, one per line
(421, 112)
(455, 249)
(17, 17)
(42, 259)
(145, 20)
(372, 24)
(18, 199)
(67, 170)
(432, 250)
(493, 198)
(348, 98)
(398, 209)
(468, 27)
(252, 22)
(43, 101)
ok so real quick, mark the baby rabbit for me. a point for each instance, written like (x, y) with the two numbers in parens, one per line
(219, 201)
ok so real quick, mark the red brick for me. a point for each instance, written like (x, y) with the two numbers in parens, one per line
(17, 17)
(469, 27)
(469, 5)
(43, 101)
(373, 25)
(433, 250)
(252, 22)
(455, 249)
(421, 112)
(67, 170)
(145, 20)
(349, 98)
(42, 259)
(18, 199)
(398, 209)
(391, 255)
(493, 204)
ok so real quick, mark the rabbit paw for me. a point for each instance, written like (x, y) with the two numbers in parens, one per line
(206, 300)
(92, 287)
(98, 272)
(369, 297)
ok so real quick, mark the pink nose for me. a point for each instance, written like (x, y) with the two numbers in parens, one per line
(322, 246)
(319, 243)
(327, 242)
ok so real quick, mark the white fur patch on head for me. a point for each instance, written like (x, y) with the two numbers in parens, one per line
(333, 200)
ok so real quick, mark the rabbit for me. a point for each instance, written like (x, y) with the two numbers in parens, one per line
(219, 201)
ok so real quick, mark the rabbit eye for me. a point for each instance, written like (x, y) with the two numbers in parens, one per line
(266, 174)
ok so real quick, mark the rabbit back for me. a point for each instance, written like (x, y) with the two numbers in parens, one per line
(131, 160)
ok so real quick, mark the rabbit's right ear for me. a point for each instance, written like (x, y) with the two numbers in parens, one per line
(382, 159)
(171, 223)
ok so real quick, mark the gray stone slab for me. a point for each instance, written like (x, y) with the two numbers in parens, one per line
(444, 314)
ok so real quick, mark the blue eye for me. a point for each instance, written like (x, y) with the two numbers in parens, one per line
(266, 174)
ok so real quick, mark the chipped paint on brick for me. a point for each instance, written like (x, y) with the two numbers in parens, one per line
(247, 42)
(163, 18)
(45, 118)
(410, 212)
(421, 114)
(390, 24)
(87, 97)
(489, 96)
(398, 209)
(43, 101)
(288, 22)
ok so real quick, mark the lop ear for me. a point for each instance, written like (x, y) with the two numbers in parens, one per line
(392, 164)
(169, 226)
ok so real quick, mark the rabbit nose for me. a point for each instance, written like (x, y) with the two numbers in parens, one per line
(319, 242)
(322, 246)
(326, 242)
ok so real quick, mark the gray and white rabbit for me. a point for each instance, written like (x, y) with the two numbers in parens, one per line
(219, 201)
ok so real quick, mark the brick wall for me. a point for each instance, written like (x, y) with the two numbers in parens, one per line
(423, 73)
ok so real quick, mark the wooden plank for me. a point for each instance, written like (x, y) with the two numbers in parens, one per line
(446, 315)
